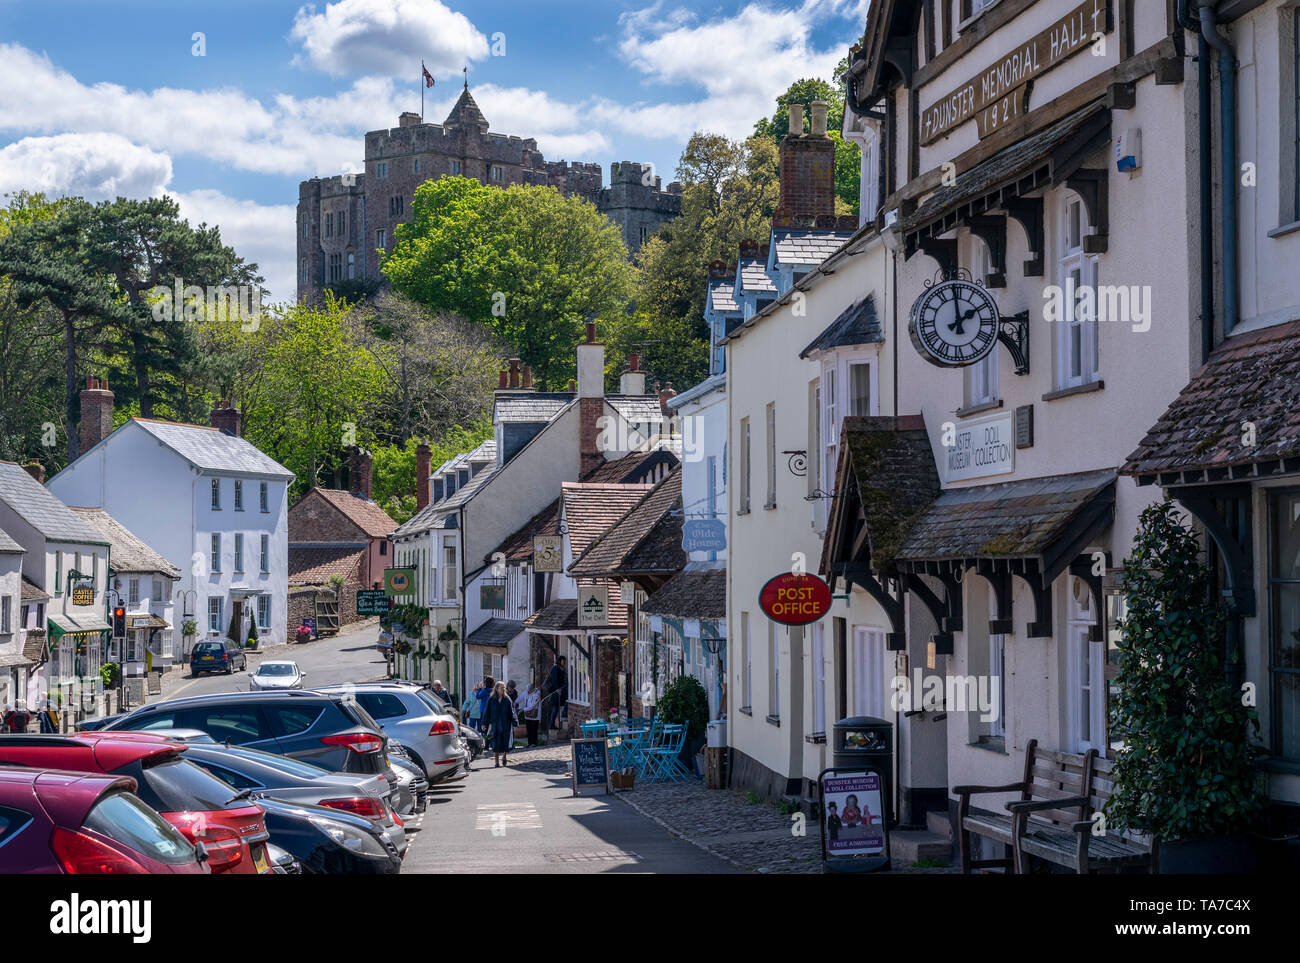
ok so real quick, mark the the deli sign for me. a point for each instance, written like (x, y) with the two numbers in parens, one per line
(795, 599)
(998, 87)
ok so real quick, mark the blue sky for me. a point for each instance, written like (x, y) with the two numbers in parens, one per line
(101, 99)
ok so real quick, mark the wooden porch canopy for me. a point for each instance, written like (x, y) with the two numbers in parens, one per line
(982, 197)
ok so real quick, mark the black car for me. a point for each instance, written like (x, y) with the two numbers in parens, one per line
(222, 655)
(329, 841)
(330, 731)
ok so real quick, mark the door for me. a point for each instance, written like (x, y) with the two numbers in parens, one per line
(237, 618)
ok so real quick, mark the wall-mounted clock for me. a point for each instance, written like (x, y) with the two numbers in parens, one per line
(954, 323)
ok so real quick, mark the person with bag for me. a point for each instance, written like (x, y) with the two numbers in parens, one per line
(47, 718)
(485, 690)
(531, 713)
(498, 717)
(16, 720)
(474, 708)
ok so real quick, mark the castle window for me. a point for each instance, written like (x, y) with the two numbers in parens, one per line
(381, 239)
(352, 265)
(305, 222)
(415, 166)
(496, 172)
(329, 225)
(343, 220)
(381, 169)
(645, 233)
(455, 168)
(396, 205)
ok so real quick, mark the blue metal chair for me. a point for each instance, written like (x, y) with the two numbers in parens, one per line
(662, 761)
(594, 730)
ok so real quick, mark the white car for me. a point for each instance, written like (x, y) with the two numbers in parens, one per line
(281, 674)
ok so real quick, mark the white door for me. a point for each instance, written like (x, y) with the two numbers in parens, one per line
(868, 696)
(1085, 673)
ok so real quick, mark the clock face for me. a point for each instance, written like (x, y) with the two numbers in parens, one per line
(954, 323)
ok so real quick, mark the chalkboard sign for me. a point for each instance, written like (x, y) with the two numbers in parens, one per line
(134, 691)
(590, 764)
(372, 602)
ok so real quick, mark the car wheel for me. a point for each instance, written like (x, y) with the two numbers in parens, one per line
(415, 758)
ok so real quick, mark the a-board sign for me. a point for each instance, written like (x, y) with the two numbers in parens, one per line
(133, 691)
(153, 682)
(372, 602)
(590, 758)
(854, 835)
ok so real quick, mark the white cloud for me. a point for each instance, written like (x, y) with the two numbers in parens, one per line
(258, 232)
(97, 166)
(386, 37)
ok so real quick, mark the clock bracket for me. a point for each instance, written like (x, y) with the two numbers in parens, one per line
(1013, 332)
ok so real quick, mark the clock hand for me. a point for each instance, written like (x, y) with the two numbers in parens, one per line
(957, 325)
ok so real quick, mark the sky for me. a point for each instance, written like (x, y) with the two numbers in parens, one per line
(227, 105)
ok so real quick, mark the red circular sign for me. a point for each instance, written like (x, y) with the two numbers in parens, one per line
(795, 599)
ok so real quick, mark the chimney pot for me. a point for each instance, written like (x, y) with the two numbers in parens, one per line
(514, 372)
(818, 118)
(36, 470)
(505, 379)
(573, 385)
(632, 360)
(796, 120)
(526, 380)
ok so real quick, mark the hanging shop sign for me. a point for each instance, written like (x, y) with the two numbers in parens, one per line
(372, 602)
(1000, 84)
(548, 553)
(83, 593)
(795, 599)
(704, 535)
(399, 581)
(593, 606)
(954, 323)
(492, 596)
(980, 448)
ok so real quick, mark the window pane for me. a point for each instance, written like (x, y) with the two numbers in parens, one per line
(1286, 656)
(860, 389)
(1286, 536)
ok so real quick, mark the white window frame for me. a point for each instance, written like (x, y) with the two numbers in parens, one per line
(216, 494)
(835, 402)
(133, 591)
(215, 555)
(769, 419)
(982, 377)
(215, 613)
(773, 672)
(868, 672)
(745, 463)
(579, 674)
(264, 611)
(239, 552)
(6, 615)
(819, 722)
(264, 565)
(1072, 260)
(449, 582)
(1085, 669)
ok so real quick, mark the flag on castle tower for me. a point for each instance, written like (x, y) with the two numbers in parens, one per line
(428, 77)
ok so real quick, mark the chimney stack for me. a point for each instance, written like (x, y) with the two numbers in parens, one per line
(422, 456)
(526, 376)
(505, 379)
(227, 418)
(807, 166)
(514, 372)
(632, 381)
(36, 470)
(665, 395)
(361, 472)
(96, 413)
(591, 401)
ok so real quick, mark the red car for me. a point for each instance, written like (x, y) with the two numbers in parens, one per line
(201, 806)
(66, 822)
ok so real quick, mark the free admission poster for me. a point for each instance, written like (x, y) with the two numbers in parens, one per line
(854, 814)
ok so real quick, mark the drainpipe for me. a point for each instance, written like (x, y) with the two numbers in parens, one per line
(1191, 23)
(1228, 151)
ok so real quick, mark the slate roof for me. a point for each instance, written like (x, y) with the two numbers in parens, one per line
(34, 646)
(590, 510)
(693, 593)
(31, 593)
(466, 111)
(210, 449)
(886, 469)
(519, 546)
(1016, 519)
(636, 408)
(648, 538)
(8, 546)
(497, 632)
(857, 324)
(529, 406)
(366, 515)
(1252, 377)
(631, 465)
(40, 509)
(313, 565)
(807, 245)
(754, 277)
(127, 551)
(722, 296)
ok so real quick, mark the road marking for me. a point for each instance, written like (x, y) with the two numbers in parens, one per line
(503, 817)
(608, 856)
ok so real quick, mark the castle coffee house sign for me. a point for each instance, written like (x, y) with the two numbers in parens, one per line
(997, 94)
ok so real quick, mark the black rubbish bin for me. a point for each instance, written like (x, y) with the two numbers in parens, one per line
(863, 742)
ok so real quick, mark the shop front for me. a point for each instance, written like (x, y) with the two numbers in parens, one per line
(71, 674)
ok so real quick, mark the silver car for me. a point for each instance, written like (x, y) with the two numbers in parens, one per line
(276, 674)
(415, 720)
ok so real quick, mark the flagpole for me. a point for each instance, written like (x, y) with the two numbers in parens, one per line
(422, 91)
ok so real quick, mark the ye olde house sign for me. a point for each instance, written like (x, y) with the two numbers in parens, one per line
(996, 96)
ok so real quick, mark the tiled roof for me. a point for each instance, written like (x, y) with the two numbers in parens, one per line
(128, 552)
(631, 465)
(636, 409)
(366, 515)
(30, 592)
(498, 632)
(8, 546)
(807, 246)
(590, 509)
(313, 565)
(34, 646)
(41, 510)
(1252, 377)
(1017, 519)
(754, 276)
(210, 449)
(857, 324)
(529, 406)
(484, 452)
(693, 593)
(562, 614)
(646, 539)
(722, 296)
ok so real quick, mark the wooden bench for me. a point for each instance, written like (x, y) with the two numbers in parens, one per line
(1052, 820)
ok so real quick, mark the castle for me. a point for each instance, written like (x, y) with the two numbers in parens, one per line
(344, 220)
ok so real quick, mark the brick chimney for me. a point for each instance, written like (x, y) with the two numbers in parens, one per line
(36, 470)
(514, 372)
(591, 400)
(96, 413)
(505, 380)
(227, 418)
(361, 472)
(632, 381)
(807, 166)
(422, 455)
(408, 118)
(526, 377)
(666, 394)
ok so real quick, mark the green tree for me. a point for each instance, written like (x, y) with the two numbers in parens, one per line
(394, 465)
(848, 156)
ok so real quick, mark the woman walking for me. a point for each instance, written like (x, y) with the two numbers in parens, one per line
(498, 716)
(532, 715)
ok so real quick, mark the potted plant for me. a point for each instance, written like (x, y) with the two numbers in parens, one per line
(251, 642)
(685, 701)
(1185, 775)
(110, 673)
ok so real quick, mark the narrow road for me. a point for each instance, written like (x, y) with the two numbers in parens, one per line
(524, 818)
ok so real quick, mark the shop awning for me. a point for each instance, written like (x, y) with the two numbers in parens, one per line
(1250, 381)
(149, 621)
(64, 624)
(497, 633)
(1033, 526)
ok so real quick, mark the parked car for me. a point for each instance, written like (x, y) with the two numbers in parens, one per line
(472, 738)
(79, 823)
(283, 862)
(95, 724)
(412, 787)
(292, 780)
(326, 730)
(221, 655)
(414, 719)
(330, 841)
(276, 674)
(202, 807)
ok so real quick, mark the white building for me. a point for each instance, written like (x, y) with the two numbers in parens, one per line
(206, 500)
(13, 661)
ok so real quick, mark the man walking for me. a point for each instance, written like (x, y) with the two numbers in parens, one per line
(556, 692)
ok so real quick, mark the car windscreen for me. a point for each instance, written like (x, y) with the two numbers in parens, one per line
(209, 647)
(177, 785)
(11, 821)
(275, 668)
(125, 818)
(294, 767)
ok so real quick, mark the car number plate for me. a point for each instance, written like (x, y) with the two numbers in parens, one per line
(259, 858)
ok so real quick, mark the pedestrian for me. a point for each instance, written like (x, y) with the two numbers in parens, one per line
(531, 706)
(46, 717)
(442, 694)
(474, 707)
(485, 691)
(5, 717)
(499, 718)
(556, 692)
(17, 718)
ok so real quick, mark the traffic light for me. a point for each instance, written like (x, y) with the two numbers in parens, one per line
(119, 622)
